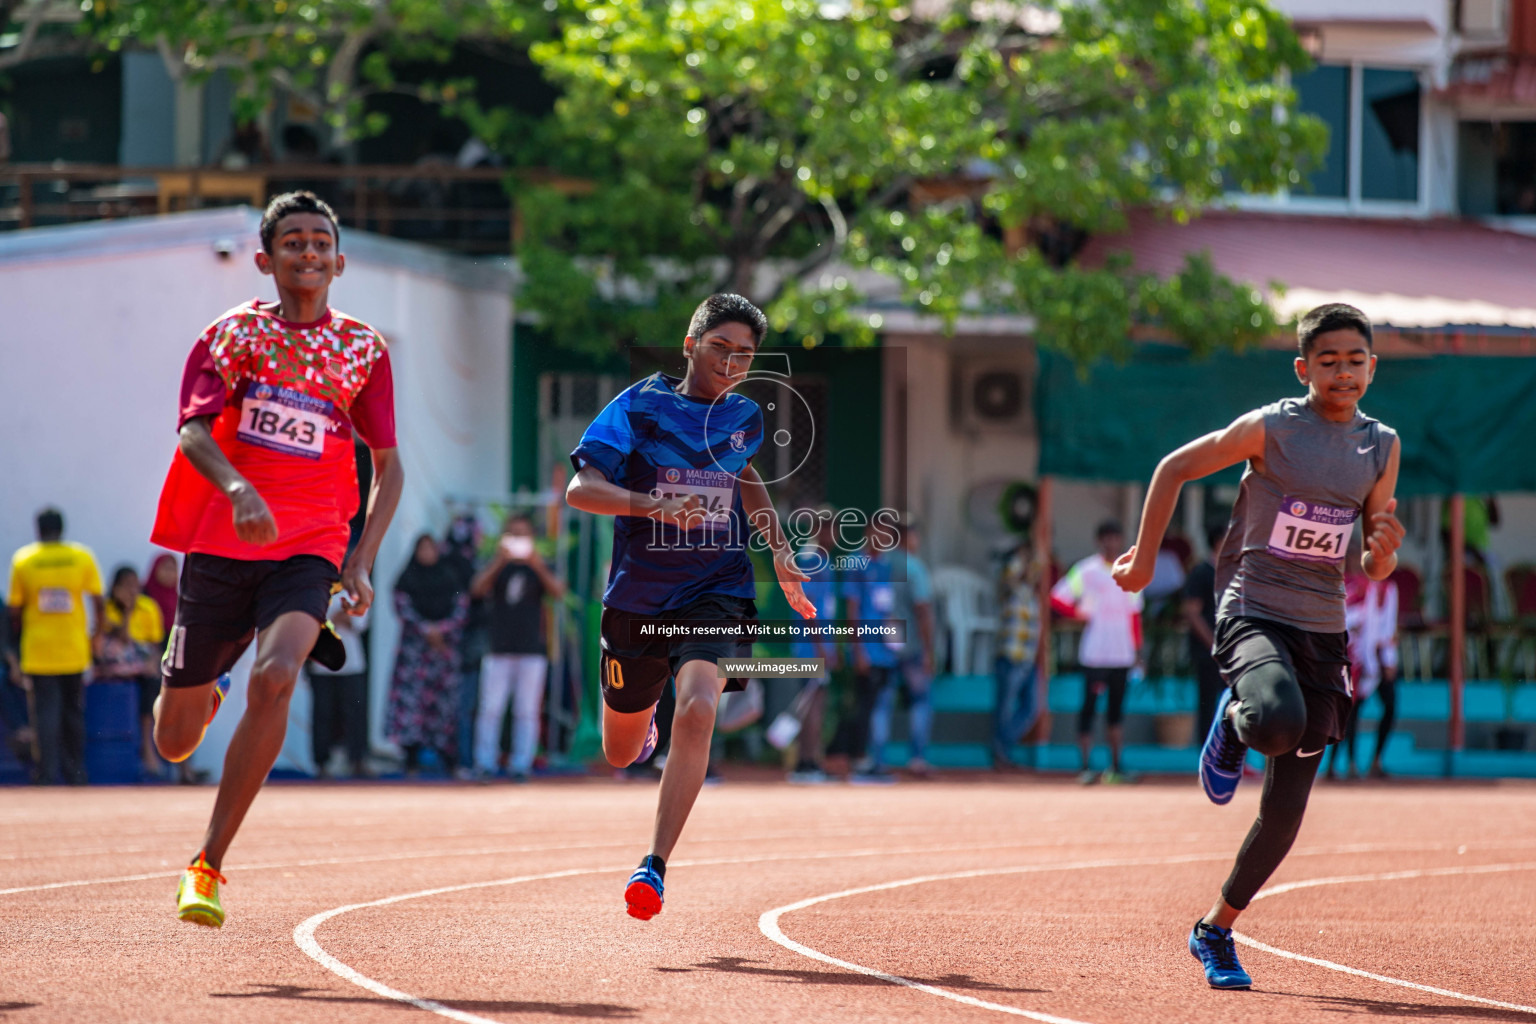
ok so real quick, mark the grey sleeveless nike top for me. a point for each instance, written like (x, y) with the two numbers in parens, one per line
(1283, 555)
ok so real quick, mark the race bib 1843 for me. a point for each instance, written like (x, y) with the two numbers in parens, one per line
(284, 420)
(716, 488)
(1309, 532)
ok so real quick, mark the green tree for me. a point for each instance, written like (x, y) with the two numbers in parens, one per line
(811, 154)
(332, 55)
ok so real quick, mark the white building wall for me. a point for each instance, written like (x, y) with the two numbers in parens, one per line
(955, 476)
(95, 325)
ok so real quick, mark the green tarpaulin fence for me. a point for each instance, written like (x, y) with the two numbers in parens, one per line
(1468, 423)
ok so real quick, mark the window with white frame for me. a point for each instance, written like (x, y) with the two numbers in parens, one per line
(1375, 119)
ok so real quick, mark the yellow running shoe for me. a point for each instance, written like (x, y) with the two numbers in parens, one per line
(220, 691)
(197, 894)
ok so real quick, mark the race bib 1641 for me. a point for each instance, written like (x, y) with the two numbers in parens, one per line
(1309, 532)
(284, 420)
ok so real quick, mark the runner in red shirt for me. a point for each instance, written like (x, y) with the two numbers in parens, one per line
(259, 496)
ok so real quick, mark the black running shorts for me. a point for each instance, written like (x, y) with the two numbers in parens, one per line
(634, 670)
(222, 603)
(1319, 662)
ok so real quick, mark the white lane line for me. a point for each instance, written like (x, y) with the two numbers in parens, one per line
(768, 924)
(304, 934)
(1386, 876)
(496, 850)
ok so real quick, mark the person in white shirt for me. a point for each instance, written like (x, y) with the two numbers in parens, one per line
(1110, 646)
(1370, 615)
(341, 698)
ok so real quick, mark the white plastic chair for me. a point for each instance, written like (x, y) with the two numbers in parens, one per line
(965, 612)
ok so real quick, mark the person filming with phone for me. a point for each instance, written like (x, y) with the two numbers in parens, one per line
(517, 581)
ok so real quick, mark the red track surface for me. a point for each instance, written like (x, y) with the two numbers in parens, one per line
(1090, 926)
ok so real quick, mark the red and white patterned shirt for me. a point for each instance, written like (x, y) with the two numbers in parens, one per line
(286, 399)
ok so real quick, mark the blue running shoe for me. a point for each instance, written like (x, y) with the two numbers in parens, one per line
(1221, 759)
(1217, 953)
(643, 893)
(649, 746)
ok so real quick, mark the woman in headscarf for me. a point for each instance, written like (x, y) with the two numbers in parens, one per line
(432, 604)
(160, 586)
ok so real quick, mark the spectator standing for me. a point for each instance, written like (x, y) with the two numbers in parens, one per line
(51, 583)
(913, 677)
(127, 647)
(1370, 616)
(13, 701)
(423, 694)
(1200, 617)
(868, 595)
(1016, 665)
(516, 582)
(1109, 648)
(341, 697)
(160, 585)
(461, 547)
(1480, 516)
(815, 560)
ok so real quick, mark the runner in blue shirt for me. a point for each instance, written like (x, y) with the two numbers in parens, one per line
(671, 461)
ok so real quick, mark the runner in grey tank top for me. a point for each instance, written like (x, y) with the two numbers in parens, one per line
(1283, 556)
(1316, 465)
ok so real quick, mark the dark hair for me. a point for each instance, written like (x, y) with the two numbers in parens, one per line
(1334, 316)
(118, 575)
(727, 308)
(50, 524)
(1109, 528)
(295, 202)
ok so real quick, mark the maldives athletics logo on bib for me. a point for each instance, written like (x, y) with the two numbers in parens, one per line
(1298, 509)
(672, 476)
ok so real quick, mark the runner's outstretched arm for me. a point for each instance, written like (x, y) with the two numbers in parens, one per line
(760, 513)
(253, 520)
(590, 491)
(383, 498)
(1240, 441)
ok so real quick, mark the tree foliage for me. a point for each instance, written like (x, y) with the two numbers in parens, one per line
(329, 54)
(805, 153)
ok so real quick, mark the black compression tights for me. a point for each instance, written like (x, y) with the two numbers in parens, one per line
(1271, 719)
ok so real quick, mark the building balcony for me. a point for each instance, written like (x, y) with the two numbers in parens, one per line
(465, 210)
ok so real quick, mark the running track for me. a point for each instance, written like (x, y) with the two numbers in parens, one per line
(956, 900)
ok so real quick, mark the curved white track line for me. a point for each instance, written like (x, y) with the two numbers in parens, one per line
(1386, 876)
(768, 923)
(304, 934)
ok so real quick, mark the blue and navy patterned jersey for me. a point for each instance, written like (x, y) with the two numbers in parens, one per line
(654, 440)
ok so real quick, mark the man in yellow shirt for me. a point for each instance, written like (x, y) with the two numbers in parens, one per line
(50, 584)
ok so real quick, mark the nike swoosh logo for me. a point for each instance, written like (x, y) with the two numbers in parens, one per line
(1309, 753)
(1362, 451)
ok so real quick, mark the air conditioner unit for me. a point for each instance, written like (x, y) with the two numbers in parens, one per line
(992, 394)
(1482, 17)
